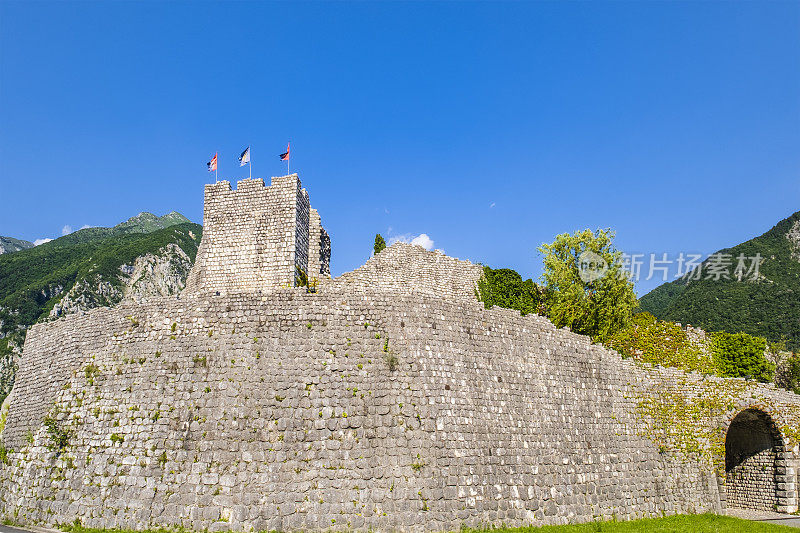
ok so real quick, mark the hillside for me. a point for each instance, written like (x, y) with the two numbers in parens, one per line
(768, 306)
(146, 255)
(9, 245)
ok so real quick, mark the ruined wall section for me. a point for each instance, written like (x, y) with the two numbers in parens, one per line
(319, 253)
(407, 269)
(302, 236)
(253, 237)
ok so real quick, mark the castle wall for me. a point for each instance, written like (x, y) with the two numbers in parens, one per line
(283, 412)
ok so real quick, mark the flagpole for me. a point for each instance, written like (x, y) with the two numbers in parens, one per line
(215, 167)
(250, 163)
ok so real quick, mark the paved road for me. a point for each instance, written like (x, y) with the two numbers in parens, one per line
(791, 522)
(9, 529)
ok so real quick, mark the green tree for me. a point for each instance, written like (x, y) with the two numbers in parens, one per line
(380, 244)
(739, 355)
(585, 285)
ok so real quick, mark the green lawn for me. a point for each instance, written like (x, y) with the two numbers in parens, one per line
(706, 523)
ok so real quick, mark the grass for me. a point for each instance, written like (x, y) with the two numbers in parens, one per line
(705, 523)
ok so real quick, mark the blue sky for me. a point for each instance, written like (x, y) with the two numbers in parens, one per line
(490, 127)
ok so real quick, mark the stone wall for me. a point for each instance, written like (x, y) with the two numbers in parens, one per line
(284, 412)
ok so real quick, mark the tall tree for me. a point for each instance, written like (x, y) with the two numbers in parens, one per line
(585, 285)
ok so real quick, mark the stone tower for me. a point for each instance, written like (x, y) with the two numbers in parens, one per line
(257, 237)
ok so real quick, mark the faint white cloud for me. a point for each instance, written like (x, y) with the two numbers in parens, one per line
(37, 242)
(66, 230)
(86, 226)
(418, 240)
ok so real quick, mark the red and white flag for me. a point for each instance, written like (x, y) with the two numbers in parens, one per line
(212, 165)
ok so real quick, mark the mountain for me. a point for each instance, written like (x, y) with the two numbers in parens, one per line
(9, 245)
(141, 223)
(141, 257)
(766, 305)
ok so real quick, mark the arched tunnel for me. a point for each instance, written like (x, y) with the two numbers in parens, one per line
(753, 446)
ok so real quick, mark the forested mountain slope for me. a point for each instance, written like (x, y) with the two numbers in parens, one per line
(144, 256)
(767, 305)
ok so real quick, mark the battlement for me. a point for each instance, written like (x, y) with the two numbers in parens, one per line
(257, 237)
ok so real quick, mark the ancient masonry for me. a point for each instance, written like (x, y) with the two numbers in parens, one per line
(387, 399)
(260, 238)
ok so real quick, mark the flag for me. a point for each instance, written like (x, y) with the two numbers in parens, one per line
(244, 158)
(285, 156)
(212, 165)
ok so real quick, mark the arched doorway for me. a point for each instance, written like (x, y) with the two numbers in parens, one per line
(753, 446)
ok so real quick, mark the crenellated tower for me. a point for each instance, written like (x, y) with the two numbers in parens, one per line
(257, 237)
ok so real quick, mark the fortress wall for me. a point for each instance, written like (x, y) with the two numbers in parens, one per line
(282, 413)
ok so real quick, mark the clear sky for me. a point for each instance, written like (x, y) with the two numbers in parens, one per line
(489, 127)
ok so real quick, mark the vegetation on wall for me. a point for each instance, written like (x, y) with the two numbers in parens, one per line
(603, 308)
(650, 340)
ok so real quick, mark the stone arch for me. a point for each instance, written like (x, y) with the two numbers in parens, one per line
(754, 451)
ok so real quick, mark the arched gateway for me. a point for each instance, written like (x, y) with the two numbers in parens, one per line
(753, 449)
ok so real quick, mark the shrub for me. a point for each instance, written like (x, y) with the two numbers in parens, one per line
(59, 437)
(391, 361)
(91, 371)
(504, 287)
(300, 277)
(4, 454)
(739, 355)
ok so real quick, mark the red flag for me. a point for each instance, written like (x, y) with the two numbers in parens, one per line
(212, 165)
(285, 156)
